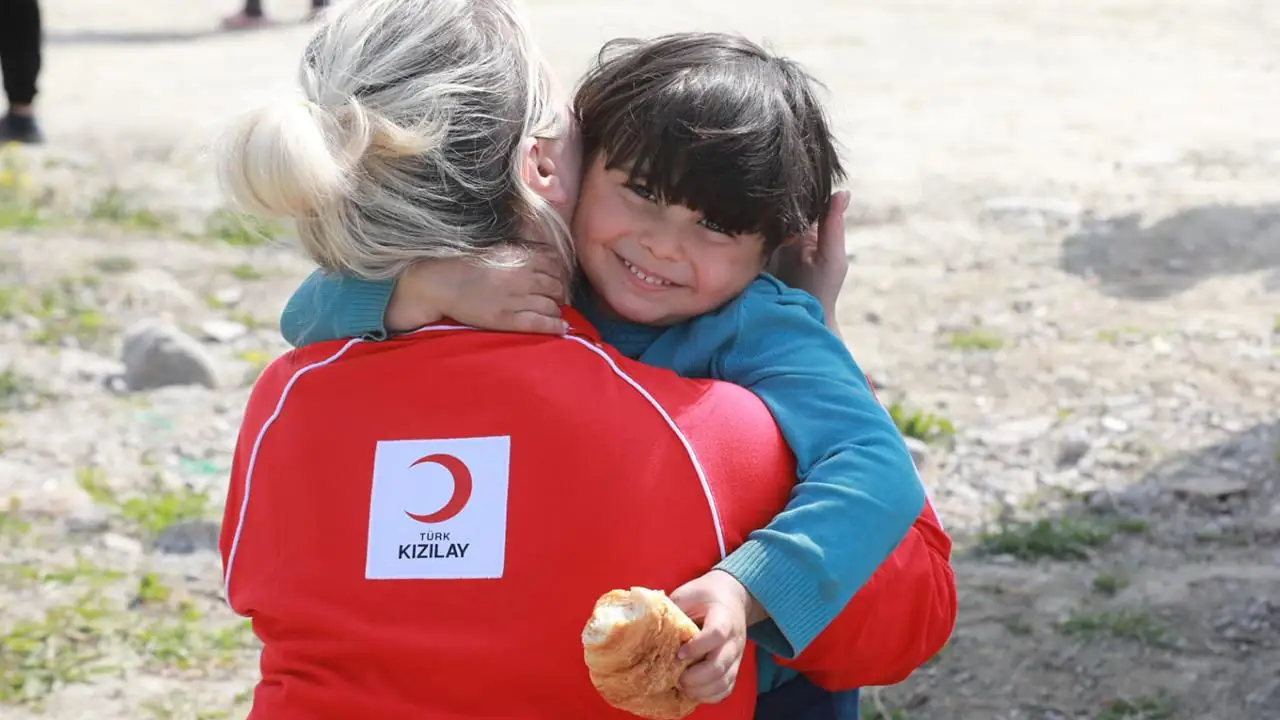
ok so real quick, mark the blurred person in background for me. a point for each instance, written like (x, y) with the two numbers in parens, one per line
(20, 40)
(251, 16)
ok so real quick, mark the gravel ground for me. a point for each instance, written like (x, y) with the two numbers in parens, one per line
(1067, 277)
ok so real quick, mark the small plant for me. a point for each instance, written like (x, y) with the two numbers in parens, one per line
(975, 340)
(1116, 335)
(83, 572)
(873, 708)
(240, 230)
(1124, 625)
(17, 391)
(21, 208)
(115, 264)
(1060, 539)
(63, 646)
(117, 207)
(72, 642)
(11, 523)
(257, 360)
(156, 509)
(246, 271)
(11, 302)
(1151, 707)
(182, 641)
(151, 590)
(65, 311)
(921, 425)
(178, 705)
(247, 319)
(1018, 626)
(1109, 584)
(1130, 526)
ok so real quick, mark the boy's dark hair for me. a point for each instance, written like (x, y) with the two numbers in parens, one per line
(716, 123)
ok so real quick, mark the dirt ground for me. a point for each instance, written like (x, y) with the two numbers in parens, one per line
(1067, 277)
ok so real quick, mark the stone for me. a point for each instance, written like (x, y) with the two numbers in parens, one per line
(1016, 432)
(158, 354)
(919, 451)
(229, 296)
(1072, 450)
(222, 330)
(1114, 424)
(121, 543)
(1034, 211)
(1269, 525)
(88, 521)
(155, 289)
(184, 538)
(1210, 488)
(87, 365)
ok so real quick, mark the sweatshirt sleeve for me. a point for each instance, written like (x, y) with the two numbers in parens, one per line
(857, 493)
(328, 306)
(899, 620)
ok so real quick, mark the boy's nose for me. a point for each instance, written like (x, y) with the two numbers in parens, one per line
(662, 246)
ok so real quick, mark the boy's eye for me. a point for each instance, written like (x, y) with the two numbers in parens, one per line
(641, 190)
(714, 226)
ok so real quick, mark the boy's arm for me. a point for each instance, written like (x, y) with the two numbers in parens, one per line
(858, 491)
(328, 306)
(902, 617)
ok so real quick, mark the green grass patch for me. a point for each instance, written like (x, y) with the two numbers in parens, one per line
(1160, 706)
(19, 391)
(157, 508)
(241, 230)
(1056, 539)
(975, 340)
(115, 264)
(246, 272)
(97, 631)
(22, 205)
(65, 311)
(116, 207)
(1109, 584)
(62, 646)
(1134, 625)
(921, 425)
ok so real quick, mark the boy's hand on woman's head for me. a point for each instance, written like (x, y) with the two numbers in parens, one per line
(816, 261)
(526, 298)
(723, 608)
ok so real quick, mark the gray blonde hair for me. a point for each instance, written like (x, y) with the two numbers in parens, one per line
(406, 144)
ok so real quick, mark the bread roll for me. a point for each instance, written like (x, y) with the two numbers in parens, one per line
(630, 646)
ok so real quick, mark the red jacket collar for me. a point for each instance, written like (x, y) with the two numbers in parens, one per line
(578, 324)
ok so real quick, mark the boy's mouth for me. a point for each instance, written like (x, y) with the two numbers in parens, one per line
(648, 278)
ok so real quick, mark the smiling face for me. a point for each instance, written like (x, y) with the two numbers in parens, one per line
(704, 153)
(653, 263)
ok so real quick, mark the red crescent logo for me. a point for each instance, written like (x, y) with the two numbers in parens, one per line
(461, 488)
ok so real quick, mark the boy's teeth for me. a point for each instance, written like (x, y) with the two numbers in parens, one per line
(647, 279)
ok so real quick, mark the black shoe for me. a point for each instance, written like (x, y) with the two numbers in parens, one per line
(20, 128)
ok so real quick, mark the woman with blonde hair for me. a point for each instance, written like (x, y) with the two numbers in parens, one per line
(420, 527)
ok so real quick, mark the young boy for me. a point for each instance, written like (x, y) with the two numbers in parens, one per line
(704, 155)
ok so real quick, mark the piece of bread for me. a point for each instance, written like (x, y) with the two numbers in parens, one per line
(630, 646)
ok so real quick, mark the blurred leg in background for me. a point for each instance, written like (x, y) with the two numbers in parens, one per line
(252, 17)
(20, 40)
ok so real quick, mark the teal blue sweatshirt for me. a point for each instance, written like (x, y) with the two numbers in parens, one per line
(858, 492)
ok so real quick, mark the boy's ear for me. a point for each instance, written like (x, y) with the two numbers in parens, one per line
(540, 172)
